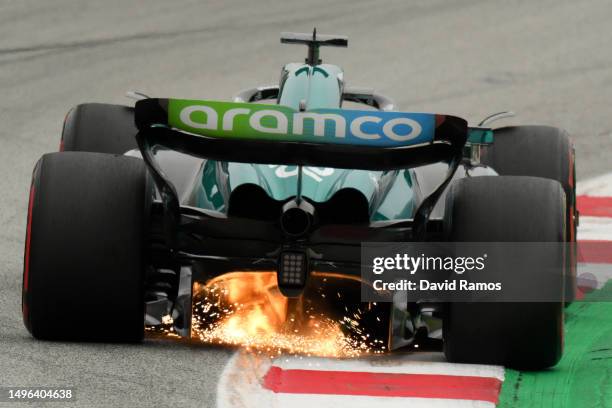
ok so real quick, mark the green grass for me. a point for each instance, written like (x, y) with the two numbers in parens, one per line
(583, 377)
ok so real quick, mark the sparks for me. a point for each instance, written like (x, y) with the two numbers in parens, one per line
(247, 310)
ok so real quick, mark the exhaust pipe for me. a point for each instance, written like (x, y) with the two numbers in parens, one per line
(297, 218)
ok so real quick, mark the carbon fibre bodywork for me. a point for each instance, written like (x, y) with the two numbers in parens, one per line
(224, 209)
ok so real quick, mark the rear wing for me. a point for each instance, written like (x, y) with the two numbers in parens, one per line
(273, 134)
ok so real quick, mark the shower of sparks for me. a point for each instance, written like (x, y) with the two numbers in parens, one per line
(162, 331)
(247, 310)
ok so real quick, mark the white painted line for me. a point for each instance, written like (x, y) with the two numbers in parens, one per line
(601, 272)
(595, 229)
(414, 363)
(600, 186)
(241, 382)
(350, 401)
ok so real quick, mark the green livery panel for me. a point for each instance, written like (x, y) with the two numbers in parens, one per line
(276, 122)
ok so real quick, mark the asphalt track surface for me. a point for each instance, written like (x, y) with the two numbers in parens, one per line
(549, 61)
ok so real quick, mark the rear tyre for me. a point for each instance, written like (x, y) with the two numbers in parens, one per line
(505, 209)
(540, 151)
(85, 248)
(99, 127)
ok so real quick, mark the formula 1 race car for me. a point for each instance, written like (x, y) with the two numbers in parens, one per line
(144, 205)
